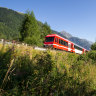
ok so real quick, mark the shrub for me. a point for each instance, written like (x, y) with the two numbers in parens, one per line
(50, 73)
(92, 55)
(93, 46)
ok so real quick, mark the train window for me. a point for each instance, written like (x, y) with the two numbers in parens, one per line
(49, 39)
(65, 43)
(59, 41)
(77, 47)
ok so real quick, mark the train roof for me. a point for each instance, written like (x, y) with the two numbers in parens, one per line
(58, 36)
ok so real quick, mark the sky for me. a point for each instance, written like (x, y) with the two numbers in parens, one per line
(77, 17)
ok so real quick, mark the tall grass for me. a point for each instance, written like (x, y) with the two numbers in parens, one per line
(28, 72)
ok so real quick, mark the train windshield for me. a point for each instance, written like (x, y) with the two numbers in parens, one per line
(49, 39)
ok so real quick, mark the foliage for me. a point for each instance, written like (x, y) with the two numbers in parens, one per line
(10, 22)
(92, 55)
(93, 46)
(45, 30)
(50, 73)
(29, 27)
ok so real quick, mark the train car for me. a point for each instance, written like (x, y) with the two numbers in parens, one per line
(57, 42)
(78, 49)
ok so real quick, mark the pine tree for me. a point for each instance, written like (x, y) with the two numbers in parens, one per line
(45, 30)
(30, 31)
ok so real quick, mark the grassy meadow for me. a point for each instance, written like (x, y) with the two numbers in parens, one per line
(25, 71)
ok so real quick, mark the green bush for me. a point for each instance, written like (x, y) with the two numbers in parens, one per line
(93, 46)
(92, 55)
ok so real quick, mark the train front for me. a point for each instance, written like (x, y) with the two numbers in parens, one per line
(49, 41)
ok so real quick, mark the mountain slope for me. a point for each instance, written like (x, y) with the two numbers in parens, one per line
(10, 22)
(66, 34)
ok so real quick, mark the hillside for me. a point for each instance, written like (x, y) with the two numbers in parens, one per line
(11, 20)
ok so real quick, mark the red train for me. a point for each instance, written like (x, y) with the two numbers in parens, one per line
(57, 42)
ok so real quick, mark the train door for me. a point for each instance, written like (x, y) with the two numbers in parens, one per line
(73, 50)
(56, 43)
(69, 46)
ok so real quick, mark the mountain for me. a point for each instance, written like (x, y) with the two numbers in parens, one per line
(82, 42)
(11, 20)
(67, 35)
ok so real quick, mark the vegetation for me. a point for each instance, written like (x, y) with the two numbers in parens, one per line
(93, 47)
(10, 22)
(28, 72)
(29, 31)
(45, 30)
